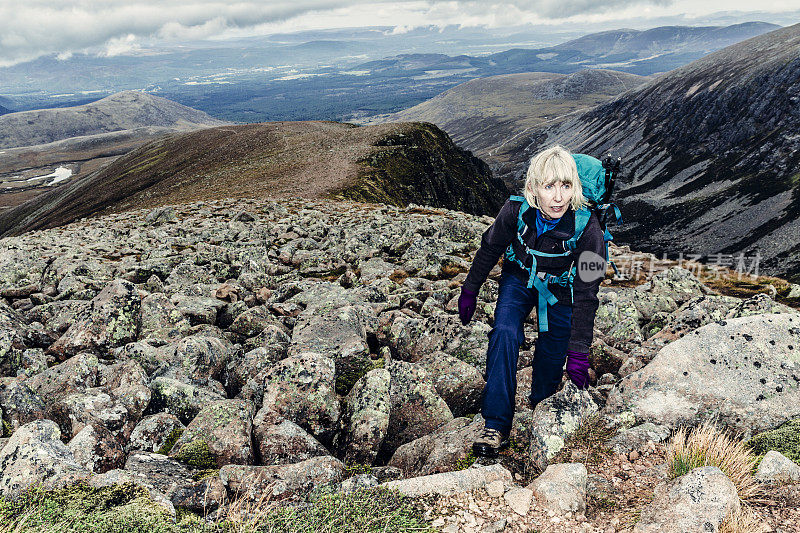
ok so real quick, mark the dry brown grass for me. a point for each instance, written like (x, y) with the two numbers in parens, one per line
(708, 445)
(743, 521)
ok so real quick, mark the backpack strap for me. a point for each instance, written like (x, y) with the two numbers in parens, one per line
(541, 280)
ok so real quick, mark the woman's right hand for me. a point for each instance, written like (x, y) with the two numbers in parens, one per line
(466, 305)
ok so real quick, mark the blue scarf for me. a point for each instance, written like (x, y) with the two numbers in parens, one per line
(542, 224)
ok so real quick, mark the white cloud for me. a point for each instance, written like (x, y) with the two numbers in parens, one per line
(31, 28)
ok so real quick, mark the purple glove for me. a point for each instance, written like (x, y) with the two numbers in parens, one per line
(578, 368)
(466, 305)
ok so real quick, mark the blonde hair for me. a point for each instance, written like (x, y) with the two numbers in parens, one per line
(549, 166)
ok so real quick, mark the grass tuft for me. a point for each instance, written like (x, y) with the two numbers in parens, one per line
(743, 521)
(708, 445)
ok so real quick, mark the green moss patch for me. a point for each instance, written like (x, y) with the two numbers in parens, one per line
(197, 454)
(172, 438)
(80, 508)
(785, 439)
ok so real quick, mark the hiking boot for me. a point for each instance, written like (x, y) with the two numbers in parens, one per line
(489, 443)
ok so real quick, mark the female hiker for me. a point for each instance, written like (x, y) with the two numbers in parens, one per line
(554, 211)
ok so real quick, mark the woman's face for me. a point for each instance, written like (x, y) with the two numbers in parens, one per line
(554, 199)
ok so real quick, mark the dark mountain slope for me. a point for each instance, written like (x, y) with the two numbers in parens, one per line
(390, 163)
(712, 152)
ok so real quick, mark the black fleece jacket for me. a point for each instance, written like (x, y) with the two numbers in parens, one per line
(503, 232)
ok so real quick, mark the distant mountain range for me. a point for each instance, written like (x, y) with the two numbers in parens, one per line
(711, 153)
(348, 76)
(122, 111)
(4, 110)
(487, 114)
(391, 163)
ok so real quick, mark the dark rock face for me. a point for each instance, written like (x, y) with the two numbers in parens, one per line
(421, 165)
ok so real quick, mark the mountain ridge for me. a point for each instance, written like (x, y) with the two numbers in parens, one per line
(120, 111)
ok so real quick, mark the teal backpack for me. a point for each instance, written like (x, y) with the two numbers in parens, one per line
(597, 180)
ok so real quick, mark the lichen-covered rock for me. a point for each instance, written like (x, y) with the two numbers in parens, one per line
(301, 389)
(365, 417)
(636, 438)
(561, 488)
(416, 408)
(251, 322)
(197, 309)
(757, 305)
(77, 373)
(243, 368)
(19, 403)
(744, 371)
(226, 426)
(340, 334)
(183, 400)
(458, 383)
(697, 501)
(776, 468)
(112, 319)
(280, 441)
(695, 313)
(617, 315)
(281, 481)
(443, 450)
(201, 357)
(413, 338)
(151, 357)
(676, 283)
(554, 419)
(96, 449)
(161, 319)
(35, 454)
(153, 432)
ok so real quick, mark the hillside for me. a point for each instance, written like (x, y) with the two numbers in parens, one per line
(484, 114)
(393, 163)
(121, 111)
(711, 151)
(4, 110)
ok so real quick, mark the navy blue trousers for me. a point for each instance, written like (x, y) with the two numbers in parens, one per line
(514, 304)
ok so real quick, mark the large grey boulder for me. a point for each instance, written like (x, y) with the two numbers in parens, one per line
(776, 468)
(226, 429)
(458, 383)
(184, 400)
(745, 371)
(697, 501)
(440, 451)
(35, 454)
(301, 389)
(554, 419)
(152, 432)
(340, 334)
(281, 481)
(561, 488)
(365, 417)
(97, 449)
(416, 407)
(280, 441)
(112, 319)
(449, 483)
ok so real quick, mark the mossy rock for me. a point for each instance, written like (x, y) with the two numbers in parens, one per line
(172, 438)
(785, 439)
(197, 454)
(350, 370)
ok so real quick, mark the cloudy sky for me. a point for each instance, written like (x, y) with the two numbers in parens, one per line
(32, 28)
